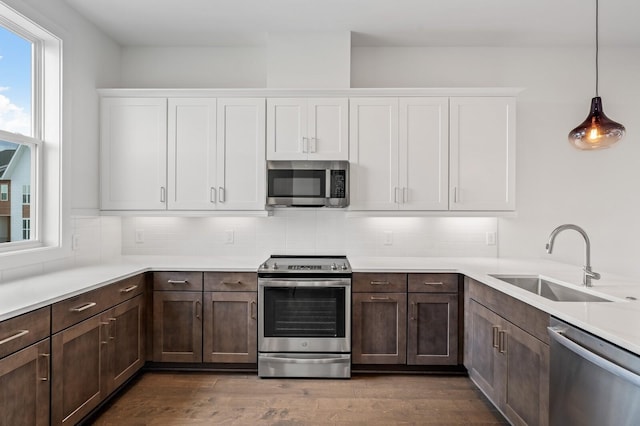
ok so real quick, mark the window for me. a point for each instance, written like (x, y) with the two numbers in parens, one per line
(4, 192)
(30, 125)
(26, 194)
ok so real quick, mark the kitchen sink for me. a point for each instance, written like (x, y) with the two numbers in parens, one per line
(548, 289)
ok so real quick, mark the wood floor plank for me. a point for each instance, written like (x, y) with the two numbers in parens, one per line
(163, 399)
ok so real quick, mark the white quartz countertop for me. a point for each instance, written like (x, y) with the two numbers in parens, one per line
(617, 321)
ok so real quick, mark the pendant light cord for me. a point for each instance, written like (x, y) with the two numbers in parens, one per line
(597, 48)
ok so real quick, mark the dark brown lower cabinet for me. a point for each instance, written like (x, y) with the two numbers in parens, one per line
(230, 327)
(78, 360)
(432, 336)
(25, 386)
(379, 328)
(177, 326)
(126, 348)
(509, 365)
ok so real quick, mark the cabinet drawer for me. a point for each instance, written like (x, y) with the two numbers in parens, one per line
(21, 331)
(433, 283)
(75, 309)
(126, 289)
(379, 283)
(230, 281)
(177, 281)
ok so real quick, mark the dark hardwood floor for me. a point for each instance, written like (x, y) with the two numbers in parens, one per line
(158, 398)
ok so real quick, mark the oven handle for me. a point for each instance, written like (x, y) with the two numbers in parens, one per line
(300, 283)
(333, 360)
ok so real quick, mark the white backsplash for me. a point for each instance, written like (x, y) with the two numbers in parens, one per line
(309, 231)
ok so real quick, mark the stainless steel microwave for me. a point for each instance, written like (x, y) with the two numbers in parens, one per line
(307, 183)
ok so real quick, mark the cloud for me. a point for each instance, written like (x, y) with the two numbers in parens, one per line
(14, 118)
(4, 88)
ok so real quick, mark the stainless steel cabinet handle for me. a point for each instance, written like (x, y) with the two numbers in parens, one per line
(112, 328)
(163, 194)
(405, 195)
(496, 330)
(197, 308)
(502, 341)
(102, 333)
(380, 298)
(414, 311)
(221, 195)
(313, 145)
(305, 144)
(232, 282)
(15, 336)
(380, 283)
(48, 364)
(83, 307)
(433, 283)
(396, 190)
(178, 281)
(251, 306)
(455, 194)
(212, 195)
(129, 289)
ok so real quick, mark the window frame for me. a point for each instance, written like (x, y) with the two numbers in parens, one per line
(45, 144)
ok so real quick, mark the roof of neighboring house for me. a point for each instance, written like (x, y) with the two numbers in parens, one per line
(5, 158)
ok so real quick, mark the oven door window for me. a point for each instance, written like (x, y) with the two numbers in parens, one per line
(297, 183)
(304, 312)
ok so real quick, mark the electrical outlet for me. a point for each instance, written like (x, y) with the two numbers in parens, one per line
(388, 238)
(229, 236)
(490, 238)
(139, 236)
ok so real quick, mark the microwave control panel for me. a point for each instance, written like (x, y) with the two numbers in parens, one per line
(338, 184)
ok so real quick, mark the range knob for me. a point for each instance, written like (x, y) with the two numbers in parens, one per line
(275, 265)
(344, 267)
(264, 266)
(334, 266)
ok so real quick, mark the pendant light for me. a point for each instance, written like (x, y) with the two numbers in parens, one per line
(598, 131)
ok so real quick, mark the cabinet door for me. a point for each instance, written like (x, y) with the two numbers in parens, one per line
(526, 363)
(78, 354)
(177, 326)
(133, 154)
(484, 366)
(230, 327)
(241, 154)
(373, 153)
(379, 328)
(433, 329)
(24, 386)
(191, 162)
(287, 129)
(126, 342)
(328, 125)
(482, 153)
(424, 153)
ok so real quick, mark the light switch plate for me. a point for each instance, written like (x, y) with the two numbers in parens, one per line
(229, 236)
(388, 238)
(491, 238)
(139, 236)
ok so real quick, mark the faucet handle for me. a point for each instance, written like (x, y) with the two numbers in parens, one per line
(589, 273)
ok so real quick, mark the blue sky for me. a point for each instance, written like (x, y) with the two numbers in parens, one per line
(15, 79)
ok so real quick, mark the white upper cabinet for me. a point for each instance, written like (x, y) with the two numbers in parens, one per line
(482, 149)
(424, 154)
(133, 154)
(373, 152)
(183, 154)
(241, 170)
(307, 129)
(192, 154)
(399, 153)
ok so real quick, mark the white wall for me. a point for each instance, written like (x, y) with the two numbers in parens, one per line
(90, 60)
(555, 183)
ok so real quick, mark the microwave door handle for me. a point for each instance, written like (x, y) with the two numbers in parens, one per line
(327, 187)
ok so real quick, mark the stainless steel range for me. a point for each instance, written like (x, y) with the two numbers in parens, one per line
(304, 324)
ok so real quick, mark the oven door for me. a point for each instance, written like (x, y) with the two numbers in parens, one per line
(304, 315)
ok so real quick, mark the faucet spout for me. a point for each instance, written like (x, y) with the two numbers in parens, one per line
(588, 273)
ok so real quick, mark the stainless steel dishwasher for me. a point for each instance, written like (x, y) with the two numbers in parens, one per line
(593, 382)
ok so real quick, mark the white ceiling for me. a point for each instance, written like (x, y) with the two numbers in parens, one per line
(372, 22)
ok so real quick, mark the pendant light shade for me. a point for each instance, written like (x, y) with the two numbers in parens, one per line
(597, 131)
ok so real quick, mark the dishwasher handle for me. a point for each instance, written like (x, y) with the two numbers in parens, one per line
(594, 358)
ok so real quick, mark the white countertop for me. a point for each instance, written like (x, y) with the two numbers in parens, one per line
(617, 321)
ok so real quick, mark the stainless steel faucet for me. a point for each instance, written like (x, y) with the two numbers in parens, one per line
(588, 273)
